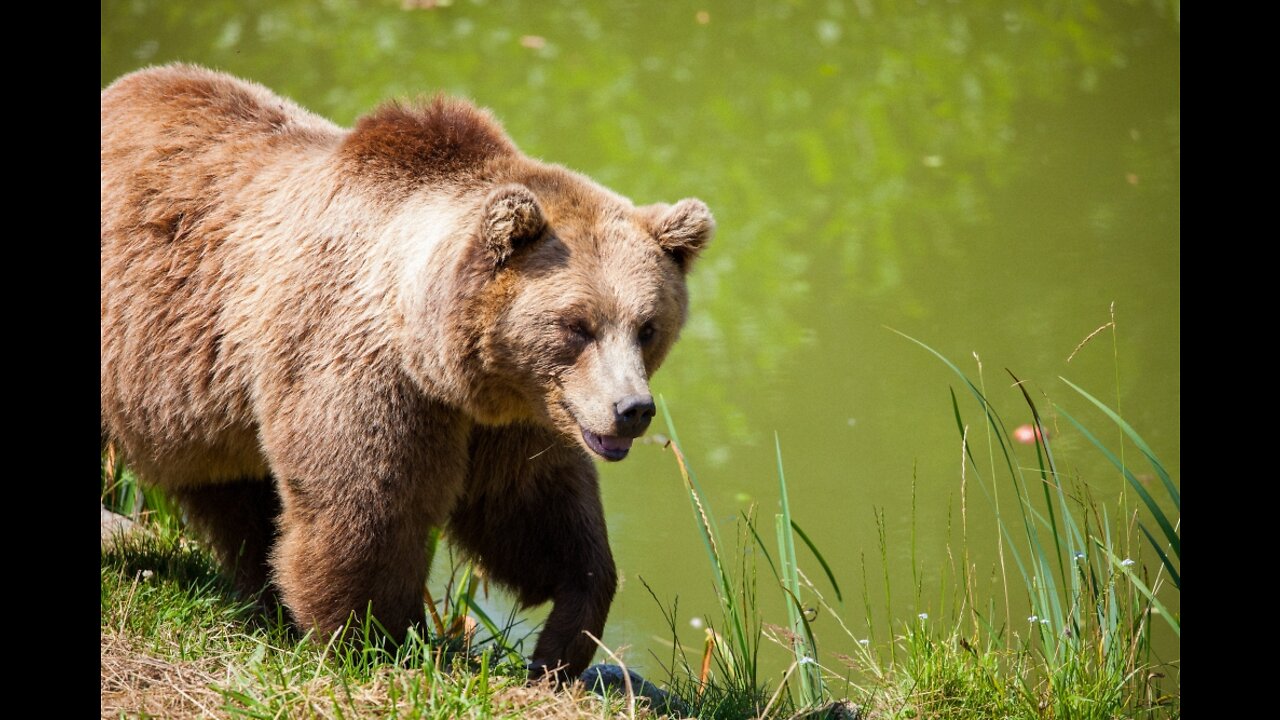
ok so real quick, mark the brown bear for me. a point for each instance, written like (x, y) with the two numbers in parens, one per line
(323, 342)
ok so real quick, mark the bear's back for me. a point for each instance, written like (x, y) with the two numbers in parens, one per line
(186, 102)
(183, 148)
(179, 138)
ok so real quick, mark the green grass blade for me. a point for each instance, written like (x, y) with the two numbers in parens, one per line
(741, 648)
(705, 523)
(805, 651)
(1164, 558)
(499, 636)
(993, 418)
(249, 702)
(955, 408)
(461, 593)
(1161, 519)
(1050, 479)
(1001, 435)
(821, 560)
(1137, 441)
(972, 388)
(1119, 565)
(763, 548)
(986, 493)
(808, 636)
(1113, 606)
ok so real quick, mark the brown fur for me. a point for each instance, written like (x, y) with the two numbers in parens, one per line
(324, 342)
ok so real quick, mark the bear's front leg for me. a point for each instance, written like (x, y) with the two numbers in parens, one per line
(336, 561)
(532, 515)
(360, 492)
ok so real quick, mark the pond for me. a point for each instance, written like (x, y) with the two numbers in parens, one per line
(997, 180)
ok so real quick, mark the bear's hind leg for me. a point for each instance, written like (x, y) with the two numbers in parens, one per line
(238, 519)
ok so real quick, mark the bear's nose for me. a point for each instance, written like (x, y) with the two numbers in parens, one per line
(633, 414)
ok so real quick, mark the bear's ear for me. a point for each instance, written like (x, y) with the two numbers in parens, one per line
(512, 219)
(683, 229)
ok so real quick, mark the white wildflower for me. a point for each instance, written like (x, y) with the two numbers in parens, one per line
(1126, 562)
(923, 616)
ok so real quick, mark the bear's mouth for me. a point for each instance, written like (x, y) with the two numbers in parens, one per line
(609, 447)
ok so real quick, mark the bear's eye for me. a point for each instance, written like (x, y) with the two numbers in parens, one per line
(579, 330)
(647, 331)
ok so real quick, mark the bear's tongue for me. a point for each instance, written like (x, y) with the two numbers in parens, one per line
(609, 447)
(615, 444)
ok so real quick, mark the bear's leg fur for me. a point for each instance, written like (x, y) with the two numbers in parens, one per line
(361, 485)
(239, 521)
(532, 515)
(333, 566)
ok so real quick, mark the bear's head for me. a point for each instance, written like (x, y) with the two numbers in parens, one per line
(583, 296)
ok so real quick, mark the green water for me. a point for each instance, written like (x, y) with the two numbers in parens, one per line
(988, 177)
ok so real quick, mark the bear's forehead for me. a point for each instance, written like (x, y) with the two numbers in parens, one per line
(602, 235)
(568, 198)
(609, 240)
(599, 254)
(606, 275)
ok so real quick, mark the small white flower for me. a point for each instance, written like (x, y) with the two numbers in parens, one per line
(923, 616)
(1033, 618)
(1044, 621)
(864, 642)
(1126, 562)
(1079, 555)
(146, 574)
(807, 661)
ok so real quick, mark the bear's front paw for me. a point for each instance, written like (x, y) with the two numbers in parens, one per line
(540, 672)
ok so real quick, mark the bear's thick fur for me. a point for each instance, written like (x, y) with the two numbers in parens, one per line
(324, 342)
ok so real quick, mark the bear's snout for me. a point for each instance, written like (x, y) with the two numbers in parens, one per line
(633, 413)
(631, 416)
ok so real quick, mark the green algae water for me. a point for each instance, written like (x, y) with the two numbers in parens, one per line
(996, 179)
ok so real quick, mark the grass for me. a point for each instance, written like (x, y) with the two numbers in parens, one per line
(1083, 651)
(177, 643)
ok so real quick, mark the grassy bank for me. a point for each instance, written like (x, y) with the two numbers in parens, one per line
(1096, 578)
(176, 643)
